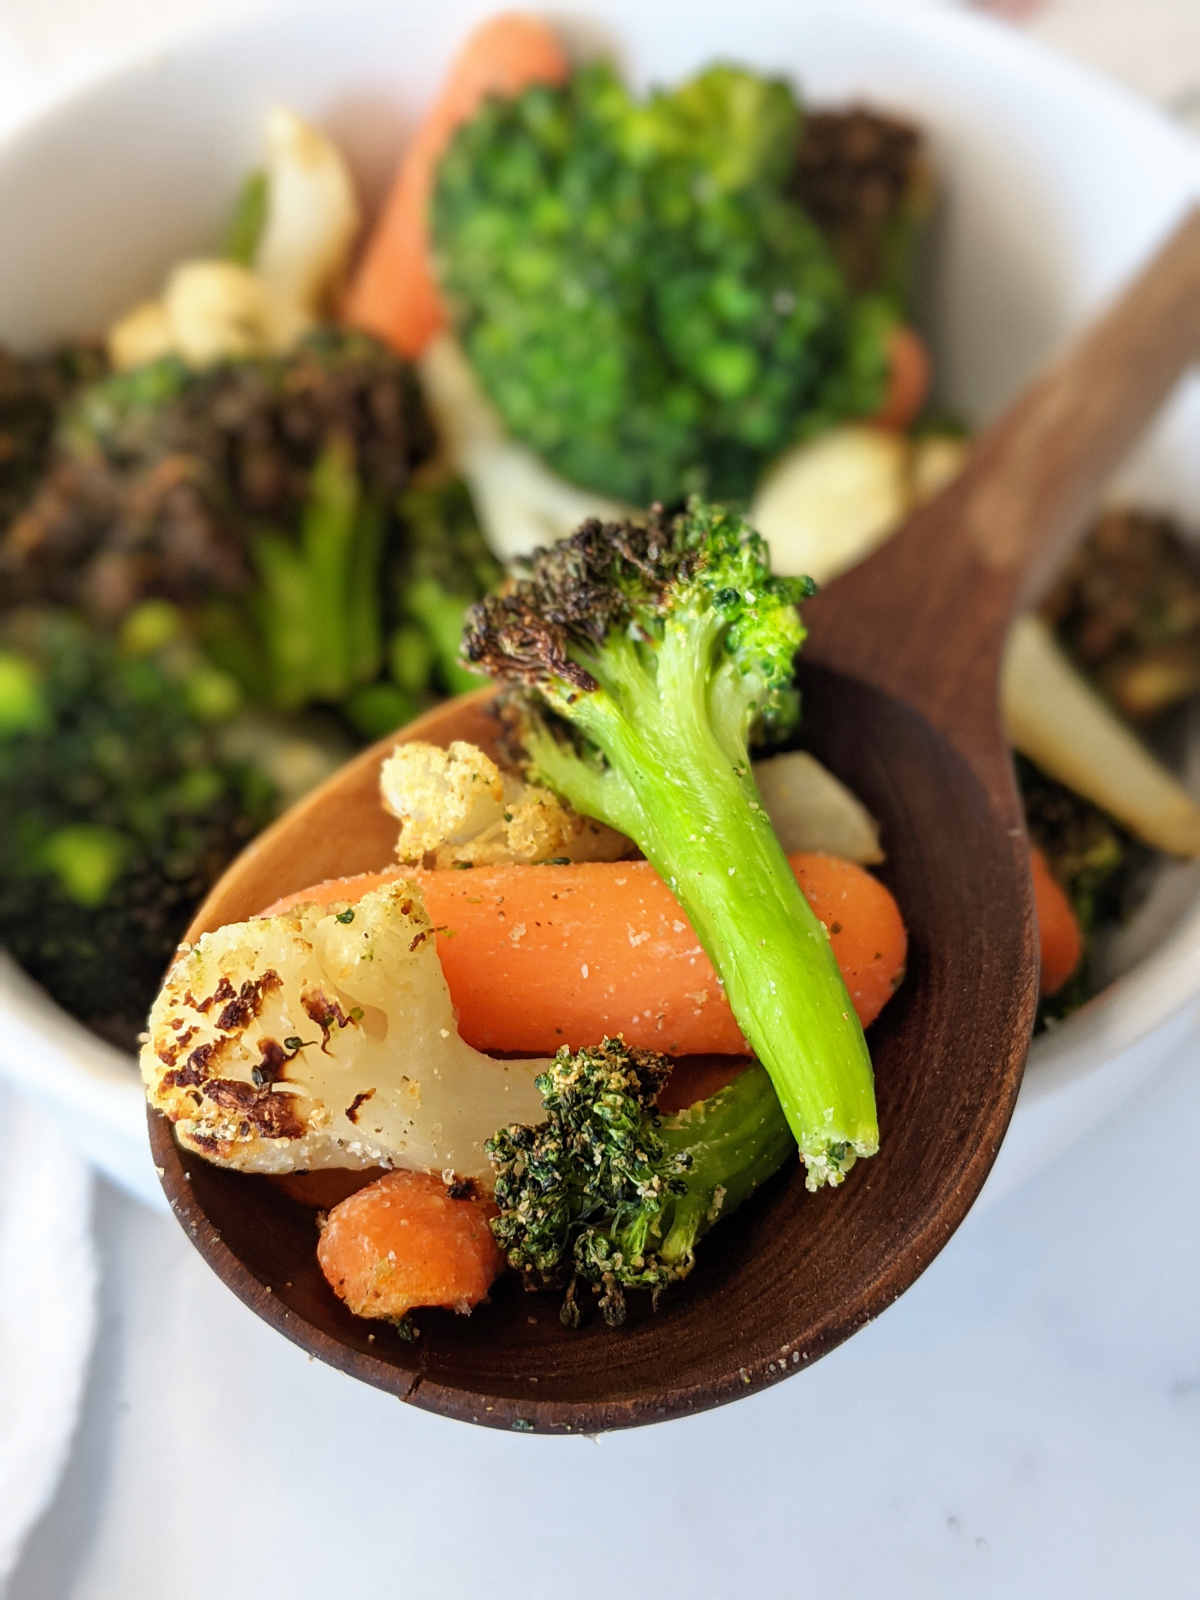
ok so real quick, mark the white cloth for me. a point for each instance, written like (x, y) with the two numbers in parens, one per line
(47, 1311)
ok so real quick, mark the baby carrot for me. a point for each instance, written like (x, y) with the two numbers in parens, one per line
(908, 379)
(406, 1241)
(541, 956)
(1058, 927)
(393, 293)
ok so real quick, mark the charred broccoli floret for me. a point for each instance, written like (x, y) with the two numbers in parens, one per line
(643, 660)
(866, 181)
(165, 475)
(606, 1195)
(120, 806)
(33, 390)
(639, 291)
(272, 500)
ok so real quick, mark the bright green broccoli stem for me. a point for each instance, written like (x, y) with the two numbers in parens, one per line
(725, 866)
(736, 1139)
(327, 539)
(679, 784)
(318, 609)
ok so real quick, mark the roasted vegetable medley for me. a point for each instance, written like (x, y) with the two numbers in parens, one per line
(240, 528)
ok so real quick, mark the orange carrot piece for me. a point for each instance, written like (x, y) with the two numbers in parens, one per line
(393, 293)
(537, 957)
(1058, 927)
(908, 380)
(403, 1242)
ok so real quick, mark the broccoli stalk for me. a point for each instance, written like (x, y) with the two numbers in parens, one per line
(648, 658)
(445, 566)
(607, 1194)
(317, 605)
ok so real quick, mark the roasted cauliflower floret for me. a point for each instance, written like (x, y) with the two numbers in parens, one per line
(264, 299)
(456, 808)
(325, 1037)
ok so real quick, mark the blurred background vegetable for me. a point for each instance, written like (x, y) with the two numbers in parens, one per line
(33, 389)
(217, 577)
(286, 253)
(1127, 607)
(275, 523)
(1095, 862)
(640, 292)
(120, 803)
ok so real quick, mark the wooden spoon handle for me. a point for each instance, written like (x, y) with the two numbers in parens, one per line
(927, 615)
(1036, 473)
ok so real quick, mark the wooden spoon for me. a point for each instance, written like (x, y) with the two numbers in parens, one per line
(900, 692)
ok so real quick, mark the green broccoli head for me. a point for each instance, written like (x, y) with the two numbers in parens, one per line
(608, 1196)
(736, 126)
(641, 660)
(121, 808)
(643, 299)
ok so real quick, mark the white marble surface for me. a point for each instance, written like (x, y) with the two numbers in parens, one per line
(1026, 1421)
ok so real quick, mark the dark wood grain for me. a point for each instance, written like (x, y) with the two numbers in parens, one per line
(900, 694)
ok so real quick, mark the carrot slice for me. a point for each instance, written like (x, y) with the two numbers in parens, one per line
(537, 957)
(1058, 927)
(393, 293)
(908, 379)
(406, 1241)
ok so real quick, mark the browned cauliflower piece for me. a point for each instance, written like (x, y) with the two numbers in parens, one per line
(325, 1037)
(457, 808)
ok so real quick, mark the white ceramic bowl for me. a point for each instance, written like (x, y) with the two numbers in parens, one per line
(1057, 182)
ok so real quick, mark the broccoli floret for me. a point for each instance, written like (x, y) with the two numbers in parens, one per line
(120, 809)
(608, 1195)
(639, 292)
(33, 389)
(644, 659)
(165, 476)
(272, 500)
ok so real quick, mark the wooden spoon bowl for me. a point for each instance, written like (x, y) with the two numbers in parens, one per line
(793, 1274)
(759, 1304)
